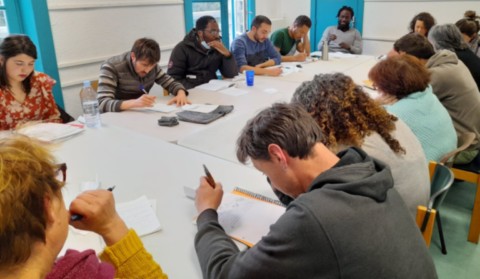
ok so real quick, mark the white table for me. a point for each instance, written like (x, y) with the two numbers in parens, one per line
(141, 165)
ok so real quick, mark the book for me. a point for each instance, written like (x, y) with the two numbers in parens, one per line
(246, 216)
(216, 85)
(50, 131)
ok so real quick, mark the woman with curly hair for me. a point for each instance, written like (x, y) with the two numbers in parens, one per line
(403, 82)
(422, 23)
(349, 117)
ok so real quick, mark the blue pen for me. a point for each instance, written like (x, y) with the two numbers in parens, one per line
(142, 88)
(78, 217)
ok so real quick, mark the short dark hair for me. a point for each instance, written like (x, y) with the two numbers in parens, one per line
(347, 8)
(258, 20)
(146, 49)
(302, 20)
(203, 21)
(447, 36)
(416, 45)
(424, 17)
(12, 46)
(289, 126)
(400, 75)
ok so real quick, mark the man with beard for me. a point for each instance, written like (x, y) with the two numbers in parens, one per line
(293, 42)
(196, 59)
(254, 51)
(126, 79)
(342, 38)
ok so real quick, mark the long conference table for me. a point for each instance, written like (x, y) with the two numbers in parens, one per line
(141, 158)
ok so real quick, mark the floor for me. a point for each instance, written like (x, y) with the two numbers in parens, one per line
(463, 258)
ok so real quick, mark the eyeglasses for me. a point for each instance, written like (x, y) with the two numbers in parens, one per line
(61, 172)
(212, 32)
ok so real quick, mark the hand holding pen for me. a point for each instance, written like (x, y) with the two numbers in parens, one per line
(209, 193)
(78, 217)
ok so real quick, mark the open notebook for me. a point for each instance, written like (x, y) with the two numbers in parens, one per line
(216, 85)
(50, 131)
(247, 217)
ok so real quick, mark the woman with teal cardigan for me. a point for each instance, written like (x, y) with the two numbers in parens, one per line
(403, 83)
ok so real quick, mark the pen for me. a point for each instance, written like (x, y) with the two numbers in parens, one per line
(210, 179)
(143, 89)
(78, 217)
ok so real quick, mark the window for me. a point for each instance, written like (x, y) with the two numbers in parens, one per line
(3, 21)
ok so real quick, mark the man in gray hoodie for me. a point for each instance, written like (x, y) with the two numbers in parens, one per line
(344, 219)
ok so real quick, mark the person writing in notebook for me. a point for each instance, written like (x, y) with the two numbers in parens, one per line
(125, 79)
(343, 218)
(293, 42)
(34, 222)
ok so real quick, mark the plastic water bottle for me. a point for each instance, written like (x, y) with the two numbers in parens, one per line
(325, 50)
(88, 96)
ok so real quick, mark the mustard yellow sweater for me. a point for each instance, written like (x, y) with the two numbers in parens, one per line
(131, 260)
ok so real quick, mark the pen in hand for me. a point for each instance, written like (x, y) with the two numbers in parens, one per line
(210, 179)
(143, 89)
(78, 217)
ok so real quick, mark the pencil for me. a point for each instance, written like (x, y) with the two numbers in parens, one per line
(210, 179)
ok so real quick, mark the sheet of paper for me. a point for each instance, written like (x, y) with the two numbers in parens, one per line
(247, 219)
(216, 84)
(139, 215)
(159, 107)
(200, 108)
(232, 91)
(50, 131)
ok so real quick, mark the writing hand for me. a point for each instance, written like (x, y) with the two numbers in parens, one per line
(273, 71)
(208, 197)
(300, 56)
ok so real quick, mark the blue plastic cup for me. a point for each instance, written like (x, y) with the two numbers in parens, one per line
(249, 76)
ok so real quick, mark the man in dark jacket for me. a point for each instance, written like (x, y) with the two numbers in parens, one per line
(196, 59)
(344, 219)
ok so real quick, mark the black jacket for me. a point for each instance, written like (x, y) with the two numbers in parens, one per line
(193, 65)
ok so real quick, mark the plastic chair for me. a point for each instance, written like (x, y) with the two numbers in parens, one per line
(441, 178)
(470, 173)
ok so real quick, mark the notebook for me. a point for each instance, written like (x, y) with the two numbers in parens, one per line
(246, 216)
(216, 85)
(50, 131)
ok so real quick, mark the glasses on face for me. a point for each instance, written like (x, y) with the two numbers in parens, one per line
(61, 172)
(212, 32)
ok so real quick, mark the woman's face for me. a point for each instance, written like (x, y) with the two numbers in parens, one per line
(420, 28)
(19, 67)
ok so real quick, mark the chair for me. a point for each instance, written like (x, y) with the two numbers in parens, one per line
(470, 173)
(441, 178)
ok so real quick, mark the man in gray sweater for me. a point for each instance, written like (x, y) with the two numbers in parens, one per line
(344, 219)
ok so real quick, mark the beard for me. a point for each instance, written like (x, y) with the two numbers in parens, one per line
(343, 26)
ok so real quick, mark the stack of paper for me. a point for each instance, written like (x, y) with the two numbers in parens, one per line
(216, 85)
(140, 215)
(50, 131)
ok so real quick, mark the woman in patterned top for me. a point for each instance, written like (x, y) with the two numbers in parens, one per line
(25, 95)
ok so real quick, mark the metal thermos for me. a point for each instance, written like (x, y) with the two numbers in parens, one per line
(325, 50)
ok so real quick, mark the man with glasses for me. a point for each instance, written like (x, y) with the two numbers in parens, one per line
(196, 59)
(344, 218)
(254, 51)
(292, 42)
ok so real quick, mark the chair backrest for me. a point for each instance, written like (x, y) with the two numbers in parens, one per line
(441, 181)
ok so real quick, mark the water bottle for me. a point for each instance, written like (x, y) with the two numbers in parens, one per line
(88, 96)
(325, 50)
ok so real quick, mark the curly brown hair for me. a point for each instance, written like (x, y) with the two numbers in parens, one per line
(344, 112)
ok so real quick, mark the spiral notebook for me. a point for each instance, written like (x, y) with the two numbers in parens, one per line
(246, 216)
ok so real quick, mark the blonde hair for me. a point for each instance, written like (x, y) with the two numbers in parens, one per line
(27, 175)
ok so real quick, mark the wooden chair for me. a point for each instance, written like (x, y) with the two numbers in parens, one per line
(441, 178)
(470, 173)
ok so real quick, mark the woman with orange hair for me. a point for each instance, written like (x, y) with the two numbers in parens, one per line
(349, 117)
(403, 82)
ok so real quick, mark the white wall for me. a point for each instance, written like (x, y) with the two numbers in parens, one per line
(385, 21)
(88, 32)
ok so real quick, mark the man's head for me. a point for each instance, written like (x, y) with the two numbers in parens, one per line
(446, 36)
(415, 45)
(260, 28)
(207, 29)
(145, 55)
(276, 136)
(300, 27)
(344, 15)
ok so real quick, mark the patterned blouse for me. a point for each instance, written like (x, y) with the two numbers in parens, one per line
(38, 105)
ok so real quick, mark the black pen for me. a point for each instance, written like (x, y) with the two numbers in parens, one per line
(78, 217)
(210, 179)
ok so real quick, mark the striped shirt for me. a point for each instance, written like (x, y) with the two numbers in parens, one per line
(118, 82)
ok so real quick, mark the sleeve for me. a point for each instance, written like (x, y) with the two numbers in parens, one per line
(357, 45)
(239, 51)
(277, 39)
(324, 38)
(177, 66)
(229, 67)
(50, 112)
(273, 53)
(285, 252)
(168, 82)
(107, 86)
(131, 260)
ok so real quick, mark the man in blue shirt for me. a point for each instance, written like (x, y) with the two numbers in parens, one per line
(254, 51)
